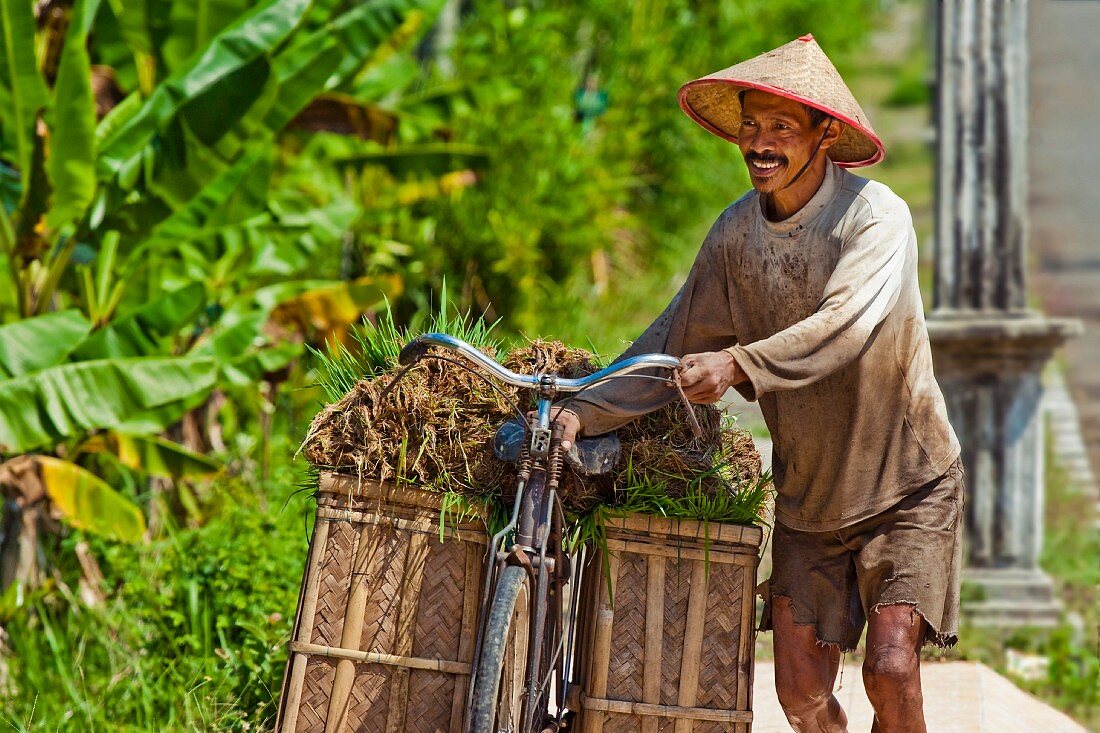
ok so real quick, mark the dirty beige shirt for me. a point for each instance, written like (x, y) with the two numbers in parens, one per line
(823, 312)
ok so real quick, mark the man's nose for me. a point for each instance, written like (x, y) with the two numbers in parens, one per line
(762, 143)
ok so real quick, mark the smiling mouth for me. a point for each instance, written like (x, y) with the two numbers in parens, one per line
(764, 166)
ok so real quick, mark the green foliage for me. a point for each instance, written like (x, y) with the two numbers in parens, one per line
(378, 344)
(742, 504)
(193, 639)
(36, 343)
(71, 164)
(22, 91)
(167, 189)
(912, 90)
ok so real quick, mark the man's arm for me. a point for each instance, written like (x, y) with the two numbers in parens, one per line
(697, 320)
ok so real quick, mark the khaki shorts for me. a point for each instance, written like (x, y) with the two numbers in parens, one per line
(909, 554)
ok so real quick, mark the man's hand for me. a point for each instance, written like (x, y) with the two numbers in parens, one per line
(706, 377)
(571, 424)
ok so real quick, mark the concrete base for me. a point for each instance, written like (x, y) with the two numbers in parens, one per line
(989, 367)
(1009, 597)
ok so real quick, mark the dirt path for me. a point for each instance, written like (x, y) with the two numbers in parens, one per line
(1065, 188)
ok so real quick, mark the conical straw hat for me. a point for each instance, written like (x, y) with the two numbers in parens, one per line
(798, 70)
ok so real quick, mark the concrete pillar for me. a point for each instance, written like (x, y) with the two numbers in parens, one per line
(989, 347)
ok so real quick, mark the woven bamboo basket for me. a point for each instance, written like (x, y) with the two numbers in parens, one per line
(384, 634)
(671, 649)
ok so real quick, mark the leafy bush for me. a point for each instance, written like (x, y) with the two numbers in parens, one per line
(192, 638)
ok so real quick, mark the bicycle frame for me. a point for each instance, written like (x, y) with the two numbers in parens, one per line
(537, 547)
(537, 518)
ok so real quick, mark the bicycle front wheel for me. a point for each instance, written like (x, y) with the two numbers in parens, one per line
(501, 671)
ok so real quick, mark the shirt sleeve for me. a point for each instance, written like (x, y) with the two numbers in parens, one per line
(859, 294)
(698, 319)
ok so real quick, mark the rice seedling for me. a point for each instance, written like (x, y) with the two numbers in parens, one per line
(434, 431)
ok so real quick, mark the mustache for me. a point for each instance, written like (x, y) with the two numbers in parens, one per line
(764, 158)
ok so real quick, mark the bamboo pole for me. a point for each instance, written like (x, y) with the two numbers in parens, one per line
(654, 636)
(601, 646)
(406, 623)
(471, 593)
(682, 553)
(414, 526)
(747, 640)
(304, 628)
(367, 548)
(693, 643)
(392, 660)
(676, 712)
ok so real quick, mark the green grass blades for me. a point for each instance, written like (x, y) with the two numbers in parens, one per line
(377, 345)
(191, 637)
(739, 503)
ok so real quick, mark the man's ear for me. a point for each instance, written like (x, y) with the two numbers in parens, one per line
(835, 129)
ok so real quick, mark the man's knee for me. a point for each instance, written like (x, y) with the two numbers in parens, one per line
(802, 698)
(889, 669)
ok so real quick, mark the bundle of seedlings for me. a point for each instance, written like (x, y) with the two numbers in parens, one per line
(434, 430)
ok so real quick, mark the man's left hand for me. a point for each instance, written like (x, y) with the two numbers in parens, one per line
(706, 376)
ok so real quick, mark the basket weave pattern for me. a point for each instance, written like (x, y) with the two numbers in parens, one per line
(671, 649)
(383, 637)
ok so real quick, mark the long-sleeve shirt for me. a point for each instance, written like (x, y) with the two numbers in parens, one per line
(823, 313)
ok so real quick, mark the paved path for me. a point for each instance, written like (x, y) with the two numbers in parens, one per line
(959, 697)
(1065, 189)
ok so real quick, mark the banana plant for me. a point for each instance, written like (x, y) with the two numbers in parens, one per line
(68, 392)
(170, 189)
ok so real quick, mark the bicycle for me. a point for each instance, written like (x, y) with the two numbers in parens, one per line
(523, 658)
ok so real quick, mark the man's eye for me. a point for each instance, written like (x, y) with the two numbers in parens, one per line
(747, 123)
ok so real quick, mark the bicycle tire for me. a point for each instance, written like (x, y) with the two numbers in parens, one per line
(499, 686)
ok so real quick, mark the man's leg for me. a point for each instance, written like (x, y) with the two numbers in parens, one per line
(891, 671)
(804, 674)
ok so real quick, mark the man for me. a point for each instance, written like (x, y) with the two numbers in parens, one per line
(804, 296)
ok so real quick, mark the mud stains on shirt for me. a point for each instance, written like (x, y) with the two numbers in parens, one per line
(824, 314)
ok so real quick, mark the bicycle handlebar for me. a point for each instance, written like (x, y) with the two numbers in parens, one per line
(419, 346)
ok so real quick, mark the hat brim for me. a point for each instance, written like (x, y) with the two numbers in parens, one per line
(856, 147)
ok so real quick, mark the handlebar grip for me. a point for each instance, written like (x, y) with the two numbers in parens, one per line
(413, 351)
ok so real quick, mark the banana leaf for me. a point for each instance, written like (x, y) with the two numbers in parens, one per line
(142, 332)
(323, 60)
(253, 36)
(193, 24)
(71, 162)
(88, 503)
(69, 400)
(22, 90)
(190, 219)
(43, 341)
(162, 458)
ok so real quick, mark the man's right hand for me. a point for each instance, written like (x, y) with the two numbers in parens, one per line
(571, 426)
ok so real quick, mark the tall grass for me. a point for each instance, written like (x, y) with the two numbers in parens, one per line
(377, 345)
(191, 637)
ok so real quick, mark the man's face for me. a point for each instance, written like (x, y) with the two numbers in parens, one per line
(776, 138)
